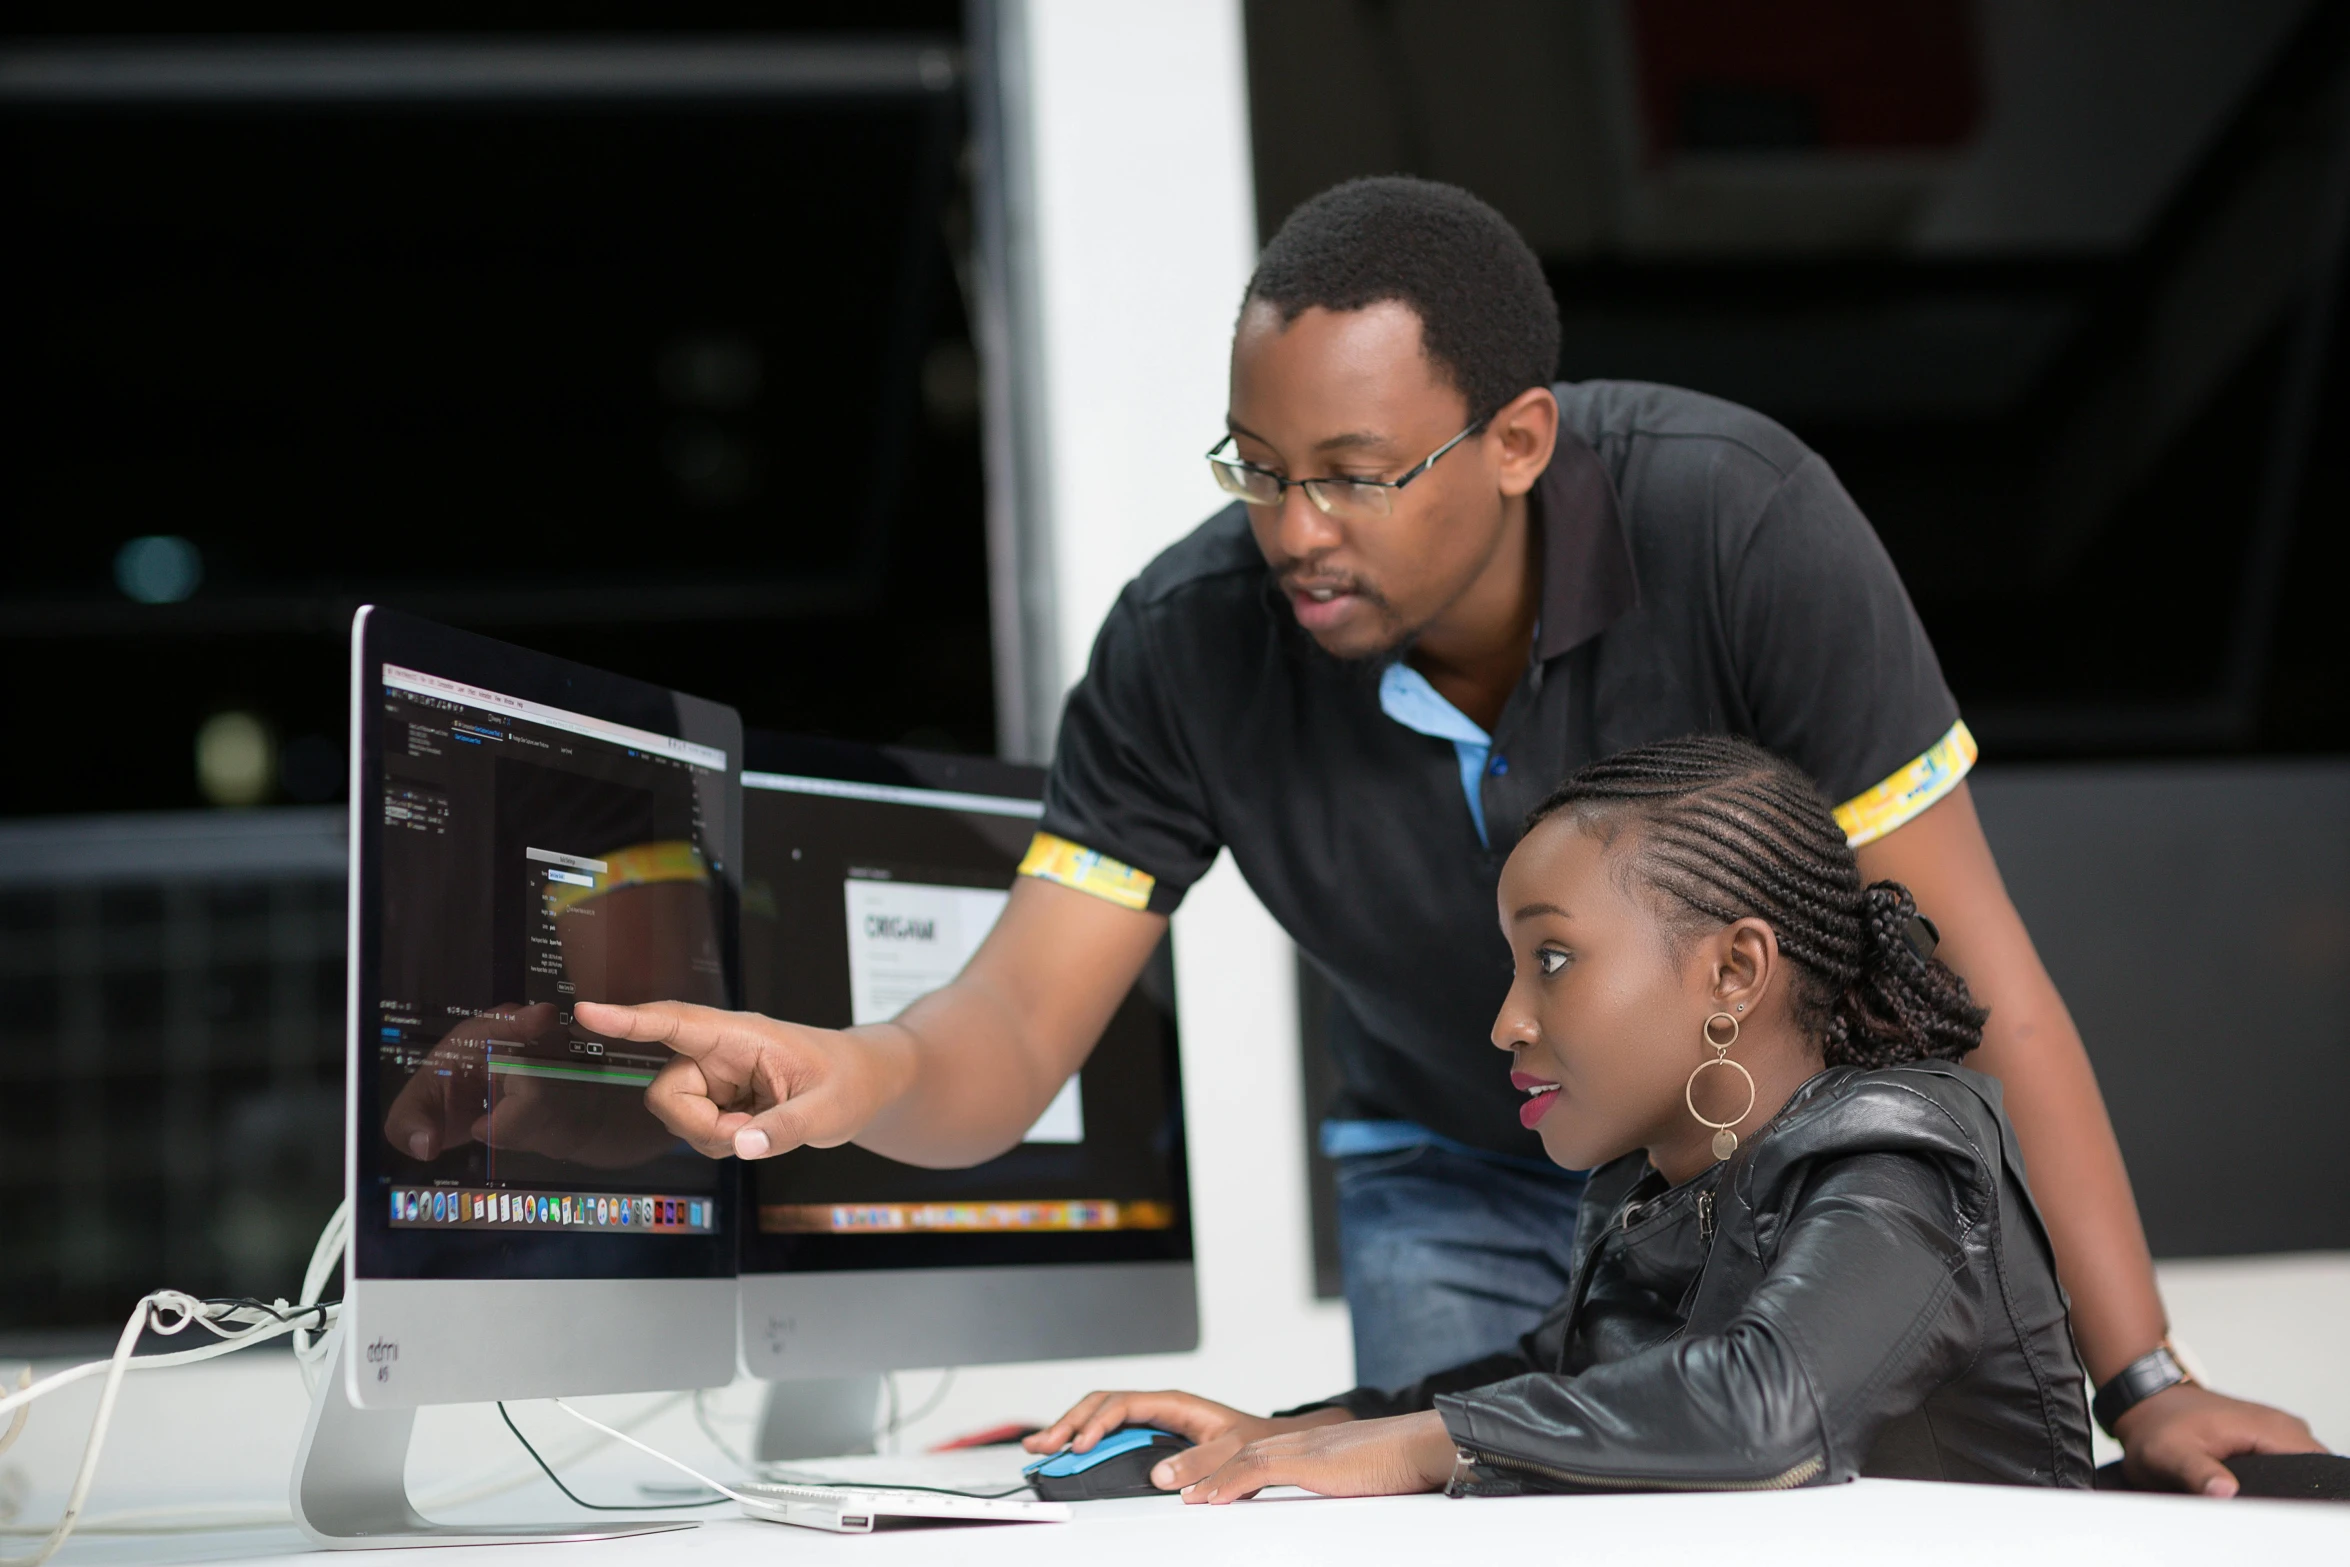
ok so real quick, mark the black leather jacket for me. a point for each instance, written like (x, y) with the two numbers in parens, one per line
(1863, 1288)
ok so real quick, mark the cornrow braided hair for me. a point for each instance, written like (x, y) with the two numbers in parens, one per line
(1727, 832)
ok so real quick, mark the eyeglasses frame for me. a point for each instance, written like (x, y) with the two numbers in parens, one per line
(1321, 505)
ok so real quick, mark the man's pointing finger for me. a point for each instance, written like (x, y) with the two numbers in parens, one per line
(689, 1030)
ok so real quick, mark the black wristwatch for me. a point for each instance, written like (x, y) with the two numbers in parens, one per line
(2151, 1373)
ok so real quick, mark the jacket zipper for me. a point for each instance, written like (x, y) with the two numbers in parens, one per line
(1786, 1481)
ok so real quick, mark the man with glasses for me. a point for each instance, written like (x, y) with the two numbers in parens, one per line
(1445, 584)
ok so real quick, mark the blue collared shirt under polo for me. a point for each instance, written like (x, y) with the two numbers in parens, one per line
(1406, 696)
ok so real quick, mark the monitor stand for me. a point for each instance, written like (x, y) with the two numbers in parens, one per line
(818, 1417)
(350, 1487)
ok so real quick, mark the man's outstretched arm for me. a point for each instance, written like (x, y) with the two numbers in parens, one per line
(955, 1079)
(2071, 1157)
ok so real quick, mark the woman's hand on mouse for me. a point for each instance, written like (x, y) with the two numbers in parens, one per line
(1360, 1458)
(1217, 1430)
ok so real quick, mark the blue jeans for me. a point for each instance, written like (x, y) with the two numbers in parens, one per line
(1449, 1256)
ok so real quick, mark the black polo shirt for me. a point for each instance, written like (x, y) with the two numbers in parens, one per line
(1702, 571)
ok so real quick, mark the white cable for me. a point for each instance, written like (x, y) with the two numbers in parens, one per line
(930, 1405)
(327, 1255)
(523, 1474)
(718, 1440)
(177, 1518)
(164, 1312)
(310, 1349)
(24, 1379)
(192, 1517)
(651, 1452)
(232, 1340)
(237, 1335)
(222, 1320)
(310, 1346)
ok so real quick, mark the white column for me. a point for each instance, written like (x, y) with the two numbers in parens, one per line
(1145, 236)
(1141, 237)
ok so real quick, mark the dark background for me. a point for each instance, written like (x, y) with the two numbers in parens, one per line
(494, 360)
(680, 386)
(2055, 289)
(683, 387)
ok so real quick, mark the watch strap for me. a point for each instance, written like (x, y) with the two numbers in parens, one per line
(2151, 1373)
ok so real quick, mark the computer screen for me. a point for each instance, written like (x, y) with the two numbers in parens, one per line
(870, 877)
(529, 854)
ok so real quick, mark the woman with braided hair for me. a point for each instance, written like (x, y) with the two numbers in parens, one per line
(1807, 1251)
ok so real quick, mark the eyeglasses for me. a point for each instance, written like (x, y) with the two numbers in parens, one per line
(1335, 497)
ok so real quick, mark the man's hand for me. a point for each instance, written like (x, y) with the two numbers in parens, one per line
(2180, 1437)
(951, 1081)
(748, 1085)
(1218, 1430)
(1360, 1458)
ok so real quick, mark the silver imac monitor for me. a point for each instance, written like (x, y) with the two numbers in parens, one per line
(870, 875)
(526, 834)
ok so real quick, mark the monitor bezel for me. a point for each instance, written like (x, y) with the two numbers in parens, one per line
(376, 1251)
(760, 1255)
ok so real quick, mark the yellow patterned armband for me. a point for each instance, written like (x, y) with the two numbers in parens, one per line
(1074, 865)
(1869, 816)
(672, 859)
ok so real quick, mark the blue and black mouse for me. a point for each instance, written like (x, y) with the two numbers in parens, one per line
(1120, 1464)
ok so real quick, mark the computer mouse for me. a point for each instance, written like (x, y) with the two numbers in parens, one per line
(1119, 1464)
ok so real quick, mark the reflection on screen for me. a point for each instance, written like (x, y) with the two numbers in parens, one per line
(859, 900)
(533, 859)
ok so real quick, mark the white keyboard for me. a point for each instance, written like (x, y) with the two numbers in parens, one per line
(846, 1509)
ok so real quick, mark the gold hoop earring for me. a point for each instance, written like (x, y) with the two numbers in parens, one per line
(1725, 1140)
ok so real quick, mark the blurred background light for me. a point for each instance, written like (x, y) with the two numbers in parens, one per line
(713, 467)
(236, 759)
(159, 568)
(712, 371)
(950, 384)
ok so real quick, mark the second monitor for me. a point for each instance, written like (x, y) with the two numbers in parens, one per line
(870, 876)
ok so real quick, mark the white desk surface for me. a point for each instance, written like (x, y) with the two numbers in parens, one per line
(224, 1434)
(1871, 1521)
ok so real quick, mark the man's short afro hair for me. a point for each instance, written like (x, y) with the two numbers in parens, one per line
(1487, 318)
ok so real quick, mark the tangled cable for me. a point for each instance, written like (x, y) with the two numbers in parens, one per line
(237, 1324)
